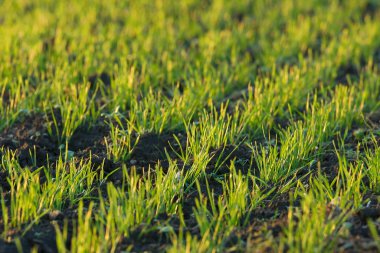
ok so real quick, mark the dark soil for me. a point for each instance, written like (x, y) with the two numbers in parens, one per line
(88, 141)
(151, 147)
(103, 77)
(29, 135)
(347, 74)
(360, 238)
(371, 9)
(222, 157)
(42, 238)
(152, 237)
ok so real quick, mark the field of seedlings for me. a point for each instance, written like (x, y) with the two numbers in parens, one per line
(189, 126)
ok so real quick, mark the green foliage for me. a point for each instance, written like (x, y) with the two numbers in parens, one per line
(297, 82)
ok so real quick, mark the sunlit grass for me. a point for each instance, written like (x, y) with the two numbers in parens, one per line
(291, 86)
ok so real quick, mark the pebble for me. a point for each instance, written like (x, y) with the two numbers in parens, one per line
(55, 215)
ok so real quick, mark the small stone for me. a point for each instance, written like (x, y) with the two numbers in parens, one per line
(132, 162)
(177, 176)
(55, 215)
